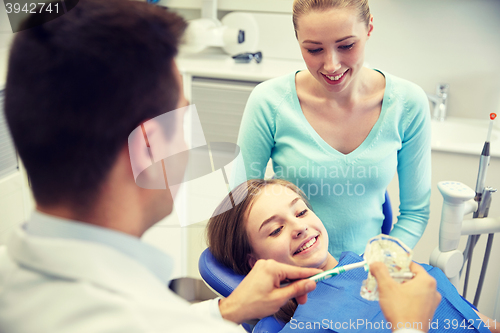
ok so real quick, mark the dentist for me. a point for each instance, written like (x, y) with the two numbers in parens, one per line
(76, 88)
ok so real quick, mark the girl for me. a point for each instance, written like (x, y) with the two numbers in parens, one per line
(274, 221)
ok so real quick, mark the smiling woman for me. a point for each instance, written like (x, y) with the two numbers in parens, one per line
(340, 115)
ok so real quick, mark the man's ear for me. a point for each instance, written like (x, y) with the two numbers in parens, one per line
(147, 173)
(251, 259)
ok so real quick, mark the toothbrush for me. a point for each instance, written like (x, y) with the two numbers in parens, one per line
(337, 270)
(342, 269)
(332, 272)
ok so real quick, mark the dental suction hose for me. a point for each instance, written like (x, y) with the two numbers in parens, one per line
(483, 206)
(484, 162)
(483, 198)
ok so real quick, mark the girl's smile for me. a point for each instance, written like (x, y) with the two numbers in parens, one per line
(280, 226)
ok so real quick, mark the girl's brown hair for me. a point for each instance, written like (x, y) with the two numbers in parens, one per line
(227, 237)
(301, 7)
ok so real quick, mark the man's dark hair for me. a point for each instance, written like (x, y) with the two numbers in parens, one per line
(78, 85)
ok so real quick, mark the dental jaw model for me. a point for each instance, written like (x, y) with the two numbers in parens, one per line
(394, 254)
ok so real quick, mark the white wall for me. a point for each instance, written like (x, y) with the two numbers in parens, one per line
(452, 41)
(5, 38)
(424, 41)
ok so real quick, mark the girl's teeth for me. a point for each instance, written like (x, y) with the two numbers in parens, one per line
(307, 245)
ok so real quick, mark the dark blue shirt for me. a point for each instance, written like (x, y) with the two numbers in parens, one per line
(337, 306)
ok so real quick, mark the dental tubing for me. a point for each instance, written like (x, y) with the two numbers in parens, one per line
(483, 199)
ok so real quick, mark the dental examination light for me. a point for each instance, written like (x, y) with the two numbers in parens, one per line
(458, 201)
(236, 33)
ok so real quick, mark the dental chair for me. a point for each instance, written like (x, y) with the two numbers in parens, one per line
(224, 280)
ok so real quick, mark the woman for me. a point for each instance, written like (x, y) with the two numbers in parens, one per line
(340, 131)
(274, 221)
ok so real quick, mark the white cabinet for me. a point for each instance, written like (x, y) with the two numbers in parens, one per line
(220, 104)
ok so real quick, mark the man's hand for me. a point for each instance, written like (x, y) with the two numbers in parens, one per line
(259, 294)
(414, 301)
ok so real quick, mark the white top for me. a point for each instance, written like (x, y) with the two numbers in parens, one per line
(86, 284)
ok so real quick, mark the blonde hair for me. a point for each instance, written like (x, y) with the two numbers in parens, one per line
(301, 7)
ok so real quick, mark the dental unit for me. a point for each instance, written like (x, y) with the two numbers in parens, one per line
(458, 201)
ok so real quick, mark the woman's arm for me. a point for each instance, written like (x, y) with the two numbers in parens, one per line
(256, 135)
(414, 170)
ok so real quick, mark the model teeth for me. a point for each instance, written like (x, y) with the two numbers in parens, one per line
(335, 78)
(306, 245)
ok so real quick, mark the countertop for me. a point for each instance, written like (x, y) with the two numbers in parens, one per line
(214, 64)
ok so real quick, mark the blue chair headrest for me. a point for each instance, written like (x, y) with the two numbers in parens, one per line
(224, 280)
(387, 211)
(221, 278)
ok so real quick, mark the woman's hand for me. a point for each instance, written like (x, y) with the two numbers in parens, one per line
(259, 294)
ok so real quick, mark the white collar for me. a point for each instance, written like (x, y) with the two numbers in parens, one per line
(156, 261)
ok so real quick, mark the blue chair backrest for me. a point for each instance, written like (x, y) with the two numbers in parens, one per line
(387, 210)
(224, 280)
(221, 278)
